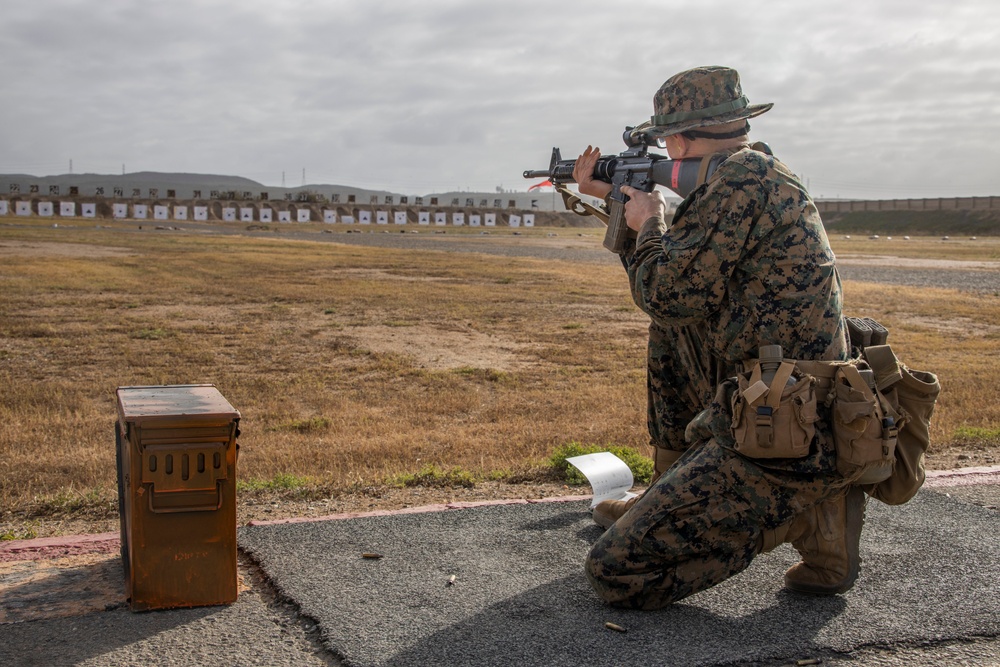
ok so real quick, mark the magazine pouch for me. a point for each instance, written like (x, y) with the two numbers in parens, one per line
(865, 428)
(776, 420)
(913, 395)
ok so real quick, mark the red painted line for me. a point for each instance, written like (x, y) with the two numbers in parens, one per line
(983, 476)
(70, 545)
(57, 547)
(350, 515)
(958, 472)
(559, 499)
(441, 507)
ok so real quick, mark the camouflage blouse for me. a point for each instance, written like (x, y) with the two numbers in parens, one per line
(747, 258)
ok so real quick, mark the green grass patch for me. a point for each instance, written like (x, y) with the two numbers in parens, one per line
(280, 482)
(640, 464)
(23, 534)
(974, 434)
(71, 501)
(435, 477)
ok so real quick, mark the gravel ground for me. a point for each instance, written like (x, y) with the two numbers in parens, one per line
(564, 246)
(981, 282)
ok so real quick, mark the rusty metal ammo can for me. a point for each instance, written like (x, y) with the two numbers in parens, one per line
(176, 456)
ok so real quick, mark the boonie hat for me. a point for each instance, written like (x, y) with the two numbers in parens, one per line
(700, 97)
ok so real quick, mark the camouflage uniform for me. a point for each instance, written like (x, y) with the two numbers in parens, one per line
(744, 263)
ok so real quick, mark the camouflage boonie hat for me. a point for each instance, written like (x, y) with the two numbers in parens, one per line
(700, 97)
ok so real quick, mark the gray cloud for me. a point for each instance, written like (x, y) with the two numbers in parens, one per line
(440, 95)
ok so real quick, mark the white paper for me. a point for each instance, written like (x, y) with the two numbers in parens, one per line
(303, 215)
(246, 214)
(400, 217)
(609, 476)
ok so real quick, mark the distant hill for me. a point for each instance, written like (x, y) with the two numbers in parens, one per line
(185, 185)
(976, 223)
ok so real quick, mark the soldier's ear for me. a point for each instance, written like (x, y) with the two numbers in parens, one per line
(678, 146)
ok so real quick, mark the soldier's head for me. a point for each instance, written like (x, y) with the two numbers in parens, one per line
(703, 109)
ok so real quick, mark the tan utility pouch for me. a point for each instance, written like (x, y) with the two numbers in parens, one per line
(776, 421)
(865, 428)
(912, 394)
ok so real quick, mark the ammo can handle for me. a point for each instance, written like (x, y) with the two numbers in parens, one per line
(203, 507)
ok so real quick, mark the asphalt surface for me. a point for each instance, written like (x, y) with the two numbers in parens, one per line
(250, 632)
(929, 594)
(520, 598)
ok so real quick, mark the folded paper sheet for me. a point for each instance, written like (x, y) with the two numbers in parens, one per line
(608, 475)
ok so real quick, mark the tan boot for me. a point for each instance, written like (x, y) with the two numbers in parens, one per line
(828, 538)
(609, 511)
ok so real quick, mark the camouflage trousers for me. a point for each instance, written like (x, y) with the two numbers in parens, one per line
(681, 377)
(699, 524)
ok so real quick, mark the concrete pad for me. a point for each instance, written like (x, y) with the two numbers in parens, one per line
(519, 595)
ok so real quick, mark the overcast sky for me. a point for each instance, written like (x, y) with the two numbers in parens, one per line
(873, 99)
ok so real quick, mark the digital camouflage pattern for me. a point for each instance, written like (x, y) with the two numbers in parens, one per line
(681, 379)
(698, 525)
(701, 97)
(744, 263)
(747, 257)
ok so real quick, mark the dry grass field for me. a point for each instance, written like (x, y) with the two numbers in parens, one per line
(367, 375)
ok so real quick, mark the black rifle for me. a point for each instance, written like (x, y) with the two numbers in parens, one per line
(635, 167)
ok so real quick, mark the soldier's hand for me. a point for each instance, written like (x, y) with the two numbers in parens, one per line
(583, 174)
(641, 206)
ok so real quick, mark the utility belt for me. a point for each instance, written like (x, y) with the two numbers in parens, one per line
(879, 409)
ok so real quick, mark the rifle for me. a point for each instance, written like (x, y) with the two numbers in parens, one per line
(635, 167)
